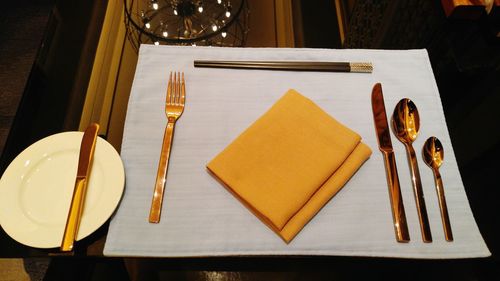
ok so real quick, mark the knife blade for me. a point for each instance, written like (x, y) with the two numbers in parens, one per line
(385, 146)
(87, 148)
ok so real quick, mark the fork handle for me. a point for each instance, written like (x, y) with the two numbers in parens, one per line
(161, 176)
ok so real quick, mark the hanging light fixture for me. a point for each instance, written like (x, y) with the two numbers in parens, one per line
(187, 22)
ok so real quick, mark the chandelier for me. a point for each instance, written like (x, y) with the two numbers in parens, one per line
(187, 22)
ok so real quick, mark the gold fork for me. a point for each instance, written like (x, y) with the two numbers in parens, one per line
(174, 106)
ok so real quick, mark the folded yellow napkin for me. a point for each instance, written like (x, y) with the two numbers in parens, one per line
(289, 163)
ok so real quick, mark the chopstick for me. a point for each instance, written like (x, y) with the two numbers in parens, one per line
(362, 67)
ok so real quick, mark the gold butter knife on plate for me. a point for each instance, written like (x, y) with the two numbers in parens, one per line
(385, 146)
(87, 148)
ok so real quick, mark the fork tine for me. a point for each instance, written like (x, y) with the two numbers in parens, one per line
(178, 88)
(169, 88)
(174, 96)
(183, 91)
(174, 88)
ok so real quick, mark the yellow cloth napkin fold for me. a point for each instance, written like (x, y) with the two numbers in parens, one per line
(288, 164)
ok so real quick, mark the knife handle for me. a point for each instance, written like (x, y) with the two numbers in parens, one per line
(74, 216)
(419, 195)
(398, 209)
(161, 175)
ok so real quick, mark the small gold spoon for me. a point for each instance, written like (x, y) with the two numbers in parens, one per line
(433, 155)
(406, 123)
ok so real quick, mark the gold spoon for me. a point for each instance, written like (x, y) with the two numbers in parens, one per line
(433, 155)
(406, 123)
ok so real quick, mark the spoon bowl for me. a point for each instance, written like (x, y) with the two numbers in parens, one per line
(406, 121)
(433, 153)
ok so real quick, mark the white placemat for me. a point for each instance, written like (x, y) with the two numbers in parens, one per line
(201, 218)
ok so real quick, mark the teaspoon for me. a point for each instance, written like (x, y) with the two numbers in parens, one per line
(433, 155)
(406, 123)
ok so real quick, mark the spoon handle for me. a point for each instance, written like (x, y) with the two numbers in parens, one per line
(442, 205)
(419, 195)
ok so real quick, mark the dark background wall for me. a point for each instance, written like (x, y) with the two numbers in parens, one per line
(47, 50)
(22, 28)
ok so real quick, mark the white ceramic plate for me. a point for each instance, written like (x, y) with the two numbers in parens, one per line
(36, 190)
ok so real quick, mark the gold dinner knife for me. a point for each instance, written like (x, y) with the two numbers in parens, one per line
(385, 146)
(82, 176)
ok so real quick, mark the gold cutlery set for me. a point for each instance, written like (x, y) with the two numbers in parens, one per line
(406, 124)
(174, 106)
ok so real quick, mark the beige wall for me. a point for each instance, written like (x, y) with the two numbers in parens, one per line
(261, 23)
(111, 78)
(122, 92)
